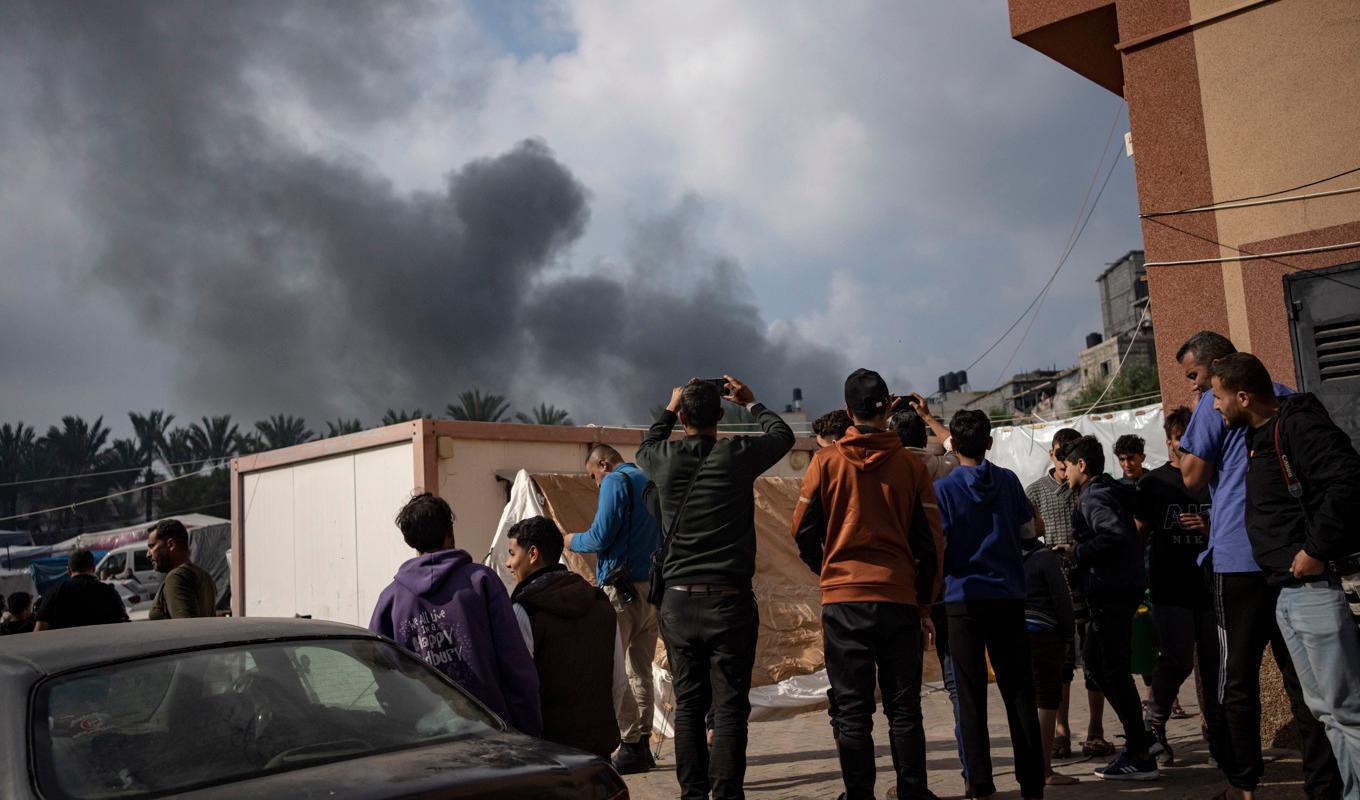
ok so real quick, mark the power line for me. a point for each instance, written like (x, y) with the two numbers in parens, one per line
(79, 475)
(1269, 256)
(1255, 196)
(1063, 260)
(1253, 203)
(1138, 329)
(96, 499)
(1245, 256)
(1043, 294)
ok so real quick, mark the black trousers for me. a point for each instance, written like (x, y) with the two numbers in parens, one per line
(1108, 653)
(995, 628)
(1183, 633)
(870, 644)
(1246, 612)
(711, 644)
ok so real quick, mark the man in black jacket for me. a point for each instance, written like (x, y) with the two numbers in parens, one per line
(1303, 501)
(1109, 558)
(708, 618)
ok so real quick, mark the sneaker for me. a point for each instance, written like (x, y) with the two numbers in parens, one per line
(1128, 768)
(1161, 748)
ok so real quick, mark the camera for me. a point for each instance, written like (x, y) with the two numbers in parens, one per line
(617, 578)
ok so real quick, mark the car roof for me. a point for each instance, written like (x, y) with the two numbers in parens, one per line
(49, 652)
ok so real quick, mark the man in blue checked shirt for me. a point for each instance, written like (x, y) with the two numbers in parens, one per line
(623, 537)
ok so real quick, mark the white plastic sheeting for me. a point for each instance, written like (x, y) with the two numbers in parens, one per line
(525, 502)
(1023, 449)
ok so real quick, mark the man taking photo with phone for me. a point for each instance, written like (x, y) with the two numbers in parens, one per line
(707, 616)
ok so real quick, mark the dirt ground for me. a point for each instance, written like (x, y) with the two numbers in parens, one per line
(796, 758)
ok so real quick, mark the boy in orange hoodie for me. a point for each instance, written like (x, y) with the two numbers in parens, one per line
(867, 523)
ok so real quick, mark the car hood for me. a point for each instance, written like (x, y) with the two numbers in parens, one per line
(507, 766)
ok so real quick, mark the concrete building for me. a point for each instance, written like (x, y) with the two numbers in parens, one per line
(1123, 302)
(1123, 294)
(1041, 391)
(1244, 120)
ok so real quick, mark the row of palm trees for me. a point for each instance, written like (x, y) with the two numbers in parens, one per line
(77, 460)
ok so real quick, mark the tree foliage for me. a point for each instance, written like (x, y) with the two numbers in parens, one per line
(545, 414)
(474, 406)
(1132, 387)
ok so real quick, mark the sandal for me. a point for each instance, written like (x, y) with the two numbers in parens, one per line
(1062, 748)
(1097, 748)
(1177, 712)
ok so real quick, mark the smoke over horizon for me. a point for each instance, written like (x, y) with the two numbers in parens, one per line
(295, 278)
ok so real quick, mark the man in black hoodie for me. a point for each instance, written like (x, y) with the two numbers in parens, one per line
(708, 617)
(572, 633)
(1303, 501)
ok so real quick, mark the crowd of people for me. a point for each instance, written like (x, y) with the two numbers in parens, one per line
(1241, 539)
(186, 591)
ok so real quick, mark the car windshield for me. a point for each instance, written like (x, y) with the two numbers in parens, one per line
(172, 723)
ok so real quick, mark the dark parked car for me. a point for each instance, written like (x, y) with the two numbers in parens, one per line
(231, 708)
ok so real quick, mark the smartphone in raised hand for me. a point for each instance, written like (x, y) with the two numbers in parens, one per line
(720, 383)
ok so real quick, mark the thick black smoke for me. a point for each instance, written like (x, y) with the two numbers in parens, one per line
(295, 280)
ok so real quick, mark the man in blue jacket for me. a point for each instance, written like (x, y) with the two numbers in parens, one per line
(1109, 558)
(623, 536)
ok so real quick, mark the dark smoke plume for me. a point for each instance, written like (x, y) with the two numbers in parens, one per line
(292, 279)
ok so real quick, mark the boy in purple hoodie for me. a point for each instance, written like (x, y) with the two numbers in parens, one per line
(457, 616)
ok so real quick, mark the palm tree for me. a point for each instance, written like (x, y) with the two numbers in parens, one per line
(248, 443)
(18, 444)
(342, 426)
(178, 454)
(282, 430)
(215, 439)
(545, 414)
(123, 460)
(150, 430)
(393, 417)
(474, 406)
(72, 449)
(75, 446)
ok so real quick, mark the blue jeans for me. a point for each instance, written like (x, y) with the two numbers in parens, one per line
(1324, 645)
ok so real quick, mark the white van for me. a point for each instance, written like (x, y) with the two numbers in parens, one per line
(129, 569)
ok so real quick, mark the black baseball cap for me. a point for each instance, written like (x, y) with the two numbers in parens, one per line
(865, 393)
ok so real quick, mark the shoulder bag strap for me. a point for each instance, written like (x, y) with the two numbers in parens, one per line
(680, 509)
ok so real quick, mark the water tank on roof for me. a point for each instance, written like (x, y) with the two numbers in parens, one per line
(1093, 339)
(797, 399)
(944, 385)
(951, 380)
(961, 378)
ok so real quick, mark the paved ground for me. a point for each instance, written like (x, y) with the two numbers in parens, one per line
(795, 758)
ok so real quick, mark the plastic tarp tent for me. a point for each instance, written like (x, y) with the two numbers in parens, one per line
(789, 675)
(208, 547)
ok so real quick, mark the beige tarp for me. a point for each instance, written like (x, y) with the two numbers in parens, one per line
(790, 642)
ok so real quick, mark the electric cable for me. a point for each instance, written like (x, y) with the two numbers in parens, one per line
(1118, 110)
(1138, 329)
(80, 475)
(66, 506)
(1256, 196)
(1268, 257)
